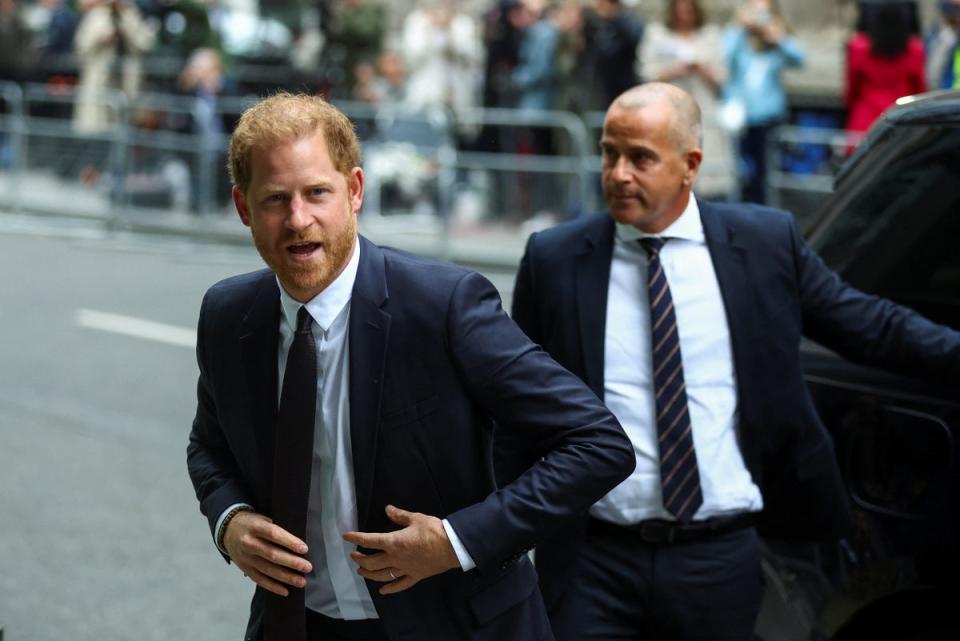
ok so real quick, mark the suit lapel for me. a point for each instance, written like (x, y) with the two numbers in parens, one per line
(591, 274)
(729, 263)
(369, 331)
(729, 255)
(259, 338)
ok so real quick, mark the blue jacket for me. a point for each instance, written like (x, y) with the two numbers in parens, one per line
(756, 76)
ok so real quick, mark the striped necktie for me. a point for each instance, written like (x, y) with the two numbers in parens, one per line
(679, 478)
(285, 617)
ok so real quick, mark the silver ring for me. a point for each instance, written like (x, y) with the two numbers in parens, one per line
(392, 575)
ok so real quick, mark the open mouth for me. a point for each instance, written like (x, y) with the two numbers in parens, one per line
(303, 250)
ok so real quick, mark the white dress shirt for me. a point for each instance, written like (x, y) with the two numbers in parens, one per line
(727, 485)
(333, 586)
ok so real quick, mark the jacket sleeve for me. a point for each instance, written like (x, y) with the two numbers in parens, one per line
(210, 462)
(582, 452)
(869, 329)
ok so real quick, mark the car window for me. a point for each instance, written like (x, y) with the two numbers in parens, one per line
(901, 238)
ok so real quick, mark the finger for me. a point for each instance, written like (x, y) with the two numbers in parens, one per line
(398, 516)
(372, 562)
(370, 540)
(276, 534)
(279, 574)
(266, 582)
(259, 549)
(401, 584)
(381, 576)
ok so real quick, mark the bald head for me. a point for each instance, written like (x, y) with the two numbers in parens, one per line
(685, 129)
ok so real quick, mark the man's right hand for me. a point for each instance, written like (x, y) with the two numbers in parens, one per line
(268, 554)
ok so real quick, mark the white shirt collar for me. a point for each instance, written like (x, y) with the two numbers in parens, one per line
(688, 226)
(327, 305)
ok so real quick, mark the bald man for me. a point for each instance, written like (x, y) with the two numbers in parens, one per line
(685, 317)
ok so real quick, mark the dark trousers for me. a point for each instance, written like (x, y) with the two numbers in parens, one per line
(323, 628)
(753, 153)
(624, 589)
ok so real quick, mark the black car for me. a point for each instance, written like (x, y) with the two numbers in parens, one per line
(891, 228)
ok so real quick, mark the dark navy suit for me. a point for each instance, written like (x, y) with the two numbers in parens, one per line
(434, 361)
(774, 290)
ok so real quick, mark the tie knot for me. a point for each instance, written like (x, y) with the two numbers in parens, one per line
(304, 319)
(653, 246)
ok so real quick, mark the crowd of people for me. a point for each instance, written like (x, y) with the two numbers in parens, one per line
(572, 55)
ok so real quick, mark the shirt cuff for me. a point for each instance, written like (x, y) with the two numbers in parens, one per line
(217, 534)
(466, 561)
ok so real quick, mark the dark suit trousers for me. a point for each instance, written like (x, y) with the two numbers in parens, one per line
(624, 589)
(322, 628)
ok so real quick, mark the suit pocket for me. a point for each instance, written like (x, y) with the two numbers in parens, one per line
(509, 589)
(393, 419)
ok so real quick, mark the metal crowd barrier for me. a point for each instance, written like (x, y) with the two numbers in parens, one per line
(161, 161)
(801, 165)
(150, 165)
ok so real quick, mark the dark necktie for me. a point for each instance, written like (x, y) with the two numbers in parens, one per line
(285, 616)
(679, 477)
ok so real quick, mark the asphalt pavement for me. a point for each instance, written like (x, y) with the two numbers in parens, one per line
(100, 535)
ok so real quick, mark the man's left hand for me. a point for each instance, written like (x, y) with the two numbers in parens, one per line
(420, 550)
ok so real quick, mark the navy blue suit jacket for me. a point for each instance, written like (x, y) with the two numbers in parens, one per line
(775, 290)
(434, 361)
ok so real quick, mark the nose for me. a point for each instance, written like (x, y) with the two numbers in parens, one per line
(621, 170)
(298, 218)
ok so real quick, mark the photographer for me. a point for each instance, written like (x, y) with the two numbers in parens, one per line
(757, 50)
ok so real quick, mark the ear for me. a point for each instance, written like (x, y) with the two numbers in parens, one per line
(693, 159)
(241, 202)
(355, 188)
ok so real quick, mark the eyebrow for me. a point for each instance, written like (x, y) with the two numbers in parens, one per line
(633, 149)
(320, 182)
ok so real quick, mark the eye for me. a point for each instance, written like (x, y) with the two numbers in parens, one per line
(319, 191)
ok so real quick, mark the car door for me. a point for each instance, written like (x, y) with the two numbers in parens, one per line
(892, 228)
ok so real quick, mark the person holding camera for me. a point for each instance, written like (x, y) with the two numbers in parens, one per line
(757, 49)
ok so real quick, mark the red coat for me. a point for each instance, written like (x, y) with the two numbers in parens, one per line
(874, 83)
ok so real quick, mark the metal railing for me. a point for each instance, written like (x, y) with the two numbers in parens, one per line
(159, 160)
(801, 165)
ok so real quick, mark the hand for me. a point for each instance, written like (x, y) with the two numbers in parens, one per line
(420, 550)
(774, 32)
(268, 554)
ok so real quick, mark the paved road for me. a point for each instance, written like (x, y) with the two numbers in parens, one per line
(100, 536)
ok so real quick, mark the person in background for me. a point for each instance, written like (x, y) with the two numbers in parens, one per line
(940, 44)
(757, 50)
(884, 62)
(683, 51)
(383, 83)
(355, 35)
(567, 17)
(611, 34)
(534, 77)
(443, 51)
(57, 40)
(109, 30)
(14, 42)
(14, 52)
(202, 78)
(502, 35)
